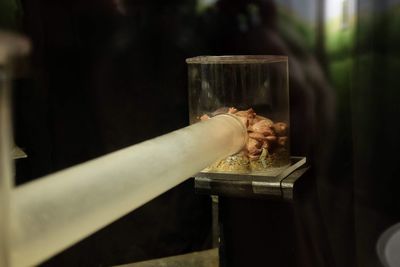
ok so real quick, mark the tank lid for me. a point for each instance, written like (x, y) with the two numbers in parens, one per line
(242, 59)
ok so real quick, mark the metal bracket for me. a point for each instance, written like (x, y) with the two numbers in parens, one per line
(18, 153)
(280, 185)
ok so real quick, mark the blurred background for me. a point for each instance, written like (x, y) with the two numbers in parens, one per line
(107, 74)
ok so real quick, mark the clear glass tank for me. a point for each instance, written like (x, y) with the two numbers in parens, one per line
(254, 88)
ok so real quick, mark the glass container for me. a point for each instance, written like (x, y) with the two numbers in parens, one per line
(254, 88)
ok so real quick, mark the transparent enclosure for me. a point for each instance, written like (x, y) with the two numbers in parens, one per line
(253, 88)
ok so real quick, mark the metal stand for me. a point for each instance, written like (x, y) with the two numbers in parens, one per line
(256, 215)
(278, 185)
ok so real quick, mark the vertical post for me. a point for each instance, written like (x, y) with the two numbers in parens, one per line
(6, 171)
(11, 46)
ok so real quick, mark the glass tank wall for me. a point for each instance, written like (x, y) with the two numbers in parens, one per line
(253, 88)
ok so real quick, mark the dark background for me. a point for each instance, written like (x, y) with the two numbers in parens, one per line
(107, 74)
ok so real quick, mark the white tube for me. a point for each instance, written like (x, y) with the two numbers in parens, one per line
(6, 170)
(57, 211)
(11, 46)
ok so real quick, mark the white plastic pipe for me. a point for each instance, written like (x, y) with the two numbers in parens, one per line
(11, 46)
(56, 211)
(6, 170)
